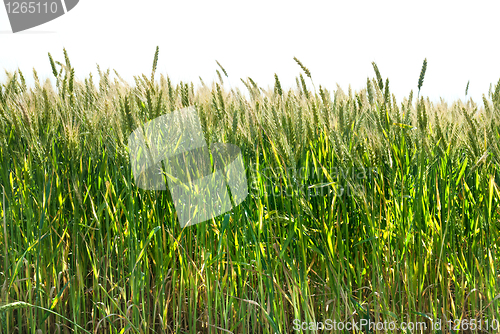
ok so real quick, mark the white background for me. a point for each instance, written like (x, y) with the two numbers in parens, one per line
(336, 40)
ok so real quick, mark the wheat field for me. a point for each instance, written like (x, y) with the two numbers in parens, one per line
(360, 207)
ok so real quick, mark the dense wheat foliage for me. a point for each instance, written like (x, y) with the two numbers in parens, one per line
(360, 207)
